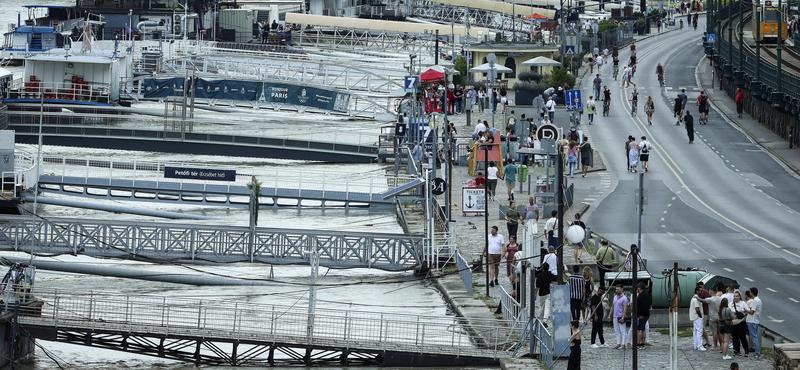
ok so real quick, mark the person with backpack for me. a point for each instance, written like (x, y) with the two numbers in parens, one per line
(649, 109)
(644, 153)
(702, 105)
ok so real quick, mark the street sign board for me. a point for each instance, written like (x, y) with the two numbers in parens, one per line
(547, 131)
(411, 83)
(438, 186)
(569, 49)
(171, 172)
(711, 37)
(472, 200)
(573, 99)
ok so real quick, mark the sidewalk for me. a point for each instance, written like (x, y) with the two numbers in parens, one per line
(763, 136)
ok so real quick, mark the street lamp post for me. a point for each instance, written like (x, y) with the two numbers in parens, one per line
(486, 212)
(779, 47)
(491, 58)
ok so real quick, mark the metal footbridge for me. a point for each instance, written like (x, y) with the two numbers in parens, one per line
(281, 186)
(233, 333)
(173, 242)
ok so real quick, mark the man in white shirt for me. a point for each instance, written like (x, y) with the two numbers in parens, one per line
(480, 128)
(552, 260)
(551, 108)
(754, 321)
(550, 229)
(494, 249)
(696, 317)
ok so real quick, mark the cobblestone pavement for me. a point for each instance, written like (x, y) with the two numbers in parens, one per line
(657, 355)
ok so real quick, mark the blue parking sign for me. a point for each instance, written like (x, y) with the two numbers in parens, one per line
(573, 99)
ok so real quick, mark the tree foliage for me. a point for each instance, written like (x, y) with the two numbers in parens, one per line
(561, 77)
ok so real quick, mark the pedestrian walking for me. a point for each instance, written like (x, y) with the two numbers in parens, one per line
(510, 254)
(495, 250)
(587, 156)
(512, 220)
(704, 294)
(619, 308)
(588, 278)
(596, 313)
(739, 99)
(491, 179)
(550, 227)
(713, 302)
(688, 120)
(578, 248)
(577, 289)
(574, 362)
(591, 109)
(644, 153)
(754, 322)
(702, 107)
(649, 109)
(696, 317)
(739, 332)
(644, 301)
(551, 109)
(725, 326)
(543, 280)
(482, 103)
(628, 151)
(676, 111)
(633, 156)
(572, 158)
(510, 176)
(684, 99)
(606, 261)
(597, 83)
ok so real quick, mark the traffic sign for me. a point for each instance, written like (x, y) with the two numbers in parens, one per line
(472, 200)
(411, 83)
(547, 132)
(711, 37)
(573, 99)
(438, 186)
(569, 49)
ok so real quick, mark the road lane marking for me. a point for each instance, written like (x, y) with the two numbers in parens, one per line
(794, 300)
(772, 290)
(696, 251)
(774, 319)
(748, 279)
(727, 269)
(710, 260)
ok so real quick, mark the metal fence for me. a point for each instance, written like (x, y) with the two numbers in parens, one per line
(542, 339)
(512, 310)
(465, 272)
(357, 330)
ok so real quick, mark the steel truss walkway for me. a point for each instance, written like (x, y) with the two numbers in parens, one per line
(188, 142)
(238, 333)
(156, 241)
(435, 10)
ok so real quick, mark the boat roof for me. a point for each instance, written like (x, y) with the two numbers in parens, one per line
(75, 58)
(4, 72)
(33, 29)
(47, 6)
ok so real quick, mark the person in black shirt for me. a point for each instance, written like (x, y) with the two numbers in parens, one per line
(574, 362)
(643, 303)
(688, 120)
(596, 304)
(543, 279)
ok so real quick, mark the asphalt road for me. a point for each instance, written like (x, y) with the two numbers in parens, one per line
(720, 204)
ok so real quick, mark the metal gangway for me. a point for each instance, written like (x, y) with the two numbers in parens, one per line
(144, 181)
(169, 242)
(59, 130)
(210, 332)
(23, 177)
(495, 15)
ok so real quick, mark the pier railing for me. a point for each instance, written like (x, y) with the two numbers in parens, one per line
(24, 176)
(465, 272)
(37, 90)
(357, 330)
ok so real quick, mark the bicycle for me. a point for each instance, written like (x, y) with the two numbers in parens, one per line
(606, 107)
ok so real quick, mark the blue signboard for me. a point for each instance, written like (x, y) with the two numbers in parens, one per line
(569, 49)
(411, 83)
(250, 91)
(199, 173)
(711, 37)
(573, 99)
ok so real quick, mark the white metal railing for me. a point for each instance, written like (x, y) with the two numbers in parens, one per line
(156, 315)
(373, 183)
(98, 92)
(465, 272)
(513, 312)
(24, 176)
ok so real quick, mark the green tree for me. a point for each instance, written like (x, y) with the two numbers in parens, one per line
(561, 77)
(461, 66)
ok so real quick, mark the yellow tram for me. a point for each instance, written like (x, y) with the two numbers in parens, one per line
(767, 11)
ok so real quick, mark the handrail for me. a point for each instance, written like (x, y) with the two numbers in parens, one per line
(465, 272)
(153, 315)
(20, 89)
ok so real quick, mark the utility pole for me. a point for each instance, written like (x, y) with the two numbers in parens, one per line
(560, 202)
(39, 150)
(436, 51)
(757, 17)
(312, 291)
(741, 37)
(673, 328)
(778, 50)
(486, 212)
(562, 33)
(635, 308)
(640, 210)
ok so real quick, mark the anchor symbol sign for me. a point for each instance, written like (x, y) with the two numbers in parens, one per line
(470, 204)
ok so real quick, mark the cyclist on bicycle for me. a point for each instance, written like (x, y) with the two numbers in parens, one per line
(634, 101)
(606, 100)
(702, 106)
(660, 74)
